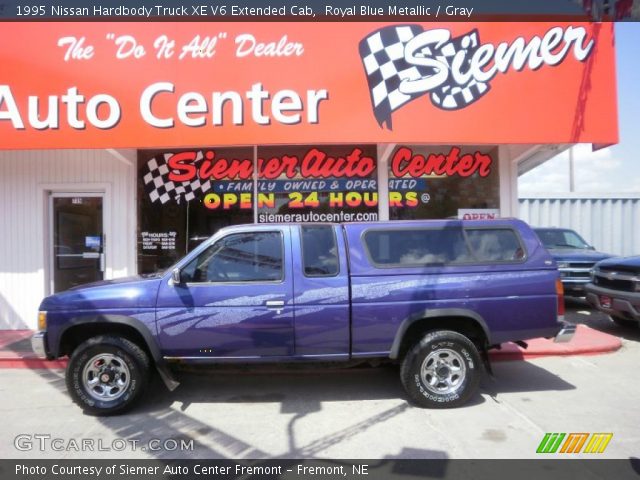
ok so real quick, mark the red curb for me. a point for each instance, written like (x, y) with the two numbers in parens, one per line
(7, 337)
(586, 341)
(12, 358)
(32, 363)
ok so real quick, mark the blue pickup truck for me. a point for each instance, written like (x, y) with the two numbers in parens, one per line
(433, 296)
(573, 255)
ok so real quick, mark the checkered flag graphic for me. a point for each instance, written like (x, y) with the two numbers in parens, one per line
(160, 188)
(384, 62)
(382, 54)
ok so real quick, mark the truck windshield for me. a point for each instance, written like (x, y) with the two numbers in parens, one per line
(560, 238)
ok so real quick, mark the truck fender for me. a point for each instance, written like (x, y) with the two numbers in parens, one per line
(434, 313)
(166, 375)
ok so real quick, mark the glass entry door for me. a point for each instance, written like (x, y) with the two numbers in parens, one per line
(78, 239)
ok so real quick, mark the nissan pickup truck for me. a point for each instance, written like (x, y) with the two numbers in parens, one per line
(433, 296)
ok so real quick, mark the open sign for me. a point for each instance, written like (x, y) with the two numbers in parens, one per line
(478, 213)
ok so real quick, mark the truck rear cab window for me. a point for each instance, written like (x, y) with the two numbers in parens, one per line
(495, 244)
(417, 247)
(319, 251)
(239, 257)
(441, 246)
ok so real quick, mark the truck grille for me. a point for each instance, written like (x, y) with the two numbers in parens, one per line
(616, 280)
(581, 264)
(574, 274)
(577, 271)
(624, 285)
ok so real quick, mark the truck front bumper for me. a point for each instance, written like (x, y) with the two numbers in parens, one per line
(622, 304)
(39, 344)
(574, 287)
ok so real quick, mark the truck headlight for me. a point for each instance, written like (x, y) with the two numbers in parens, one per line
(563, 265)
(42, 321)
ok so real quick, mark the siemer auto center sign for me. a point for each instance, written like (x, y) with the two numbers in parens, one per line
(141, 85)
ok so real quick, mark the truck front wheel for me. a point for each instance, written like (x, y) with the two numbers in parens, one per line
(107, 374)
(442, 370)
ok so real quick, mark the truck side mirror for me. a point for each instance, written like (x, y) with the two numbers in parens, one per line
(175, 276)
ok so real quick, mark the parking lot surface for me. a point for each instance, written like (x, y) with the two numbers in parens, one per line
(338, 413)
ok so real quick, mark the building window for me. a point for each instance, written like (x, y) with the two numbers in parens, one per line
(185, 196)
(435, 181)
(327, 183)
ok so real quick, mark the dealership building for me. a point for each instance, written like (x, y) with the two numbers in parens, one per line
(124, 145)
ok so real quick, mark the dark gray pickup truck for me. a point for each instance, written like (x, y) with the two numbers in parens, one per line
(615, 290)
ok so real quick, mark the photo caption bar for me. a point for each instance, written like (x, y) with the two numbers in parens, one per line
(317, 10)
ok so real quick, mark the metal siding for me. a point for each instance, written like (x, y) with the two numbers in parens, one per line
(24, 232)
(610, 224)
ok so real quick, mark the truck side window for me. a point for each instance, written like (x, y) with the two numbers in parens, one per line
(319, 251)
(239, 257)
(417, 247)
(495, 244)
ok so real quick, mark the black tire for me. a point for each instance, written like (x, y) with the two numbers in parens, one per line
(128, 364)
(624, 322)
(449, 347)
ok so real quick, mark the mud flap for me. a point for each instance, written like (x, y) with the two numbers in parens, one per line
(484, 353)
(167, 376)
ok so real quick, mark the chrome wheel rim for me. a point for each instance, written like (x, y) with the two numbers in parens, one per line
(443, 371)
(106, 377)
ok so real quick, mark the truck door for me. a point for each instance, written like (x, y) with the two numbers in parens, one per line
(321, 291)
(235, 299)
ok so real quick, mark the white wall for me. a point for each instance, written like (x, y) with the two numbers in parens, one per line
(27, 177)
(610, 222)
(515, 159)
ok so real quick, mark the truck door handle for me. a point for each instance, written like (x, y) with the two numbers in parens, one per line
(275, 304)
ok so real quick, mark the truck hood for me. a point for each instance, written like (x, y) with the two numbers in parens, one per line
(622, 264)
(576, 255)
(121, 293)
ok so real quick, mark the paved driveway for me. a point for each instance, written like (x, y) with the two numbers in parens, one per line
(339, 413)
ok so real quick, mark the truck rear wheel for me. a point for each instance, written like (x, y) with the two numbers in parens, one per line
(107, 374)
(442, 370)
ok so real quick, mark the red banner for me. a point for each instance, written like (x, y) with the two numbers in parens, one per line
(113, 85)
